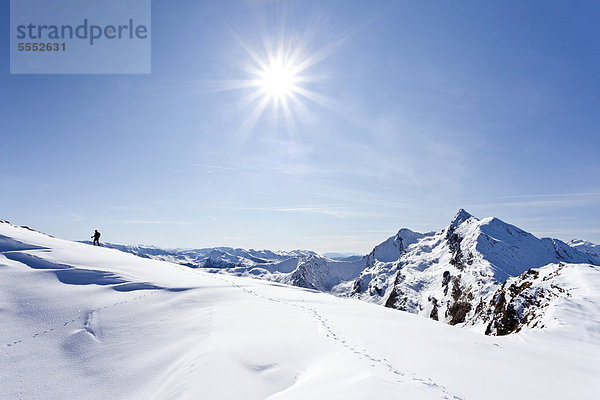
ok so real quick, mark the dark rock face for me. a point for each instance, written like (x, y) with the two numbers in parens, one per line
(357, 287)
(434, 311)
(446, 278)
(397, 298)
(460, 301)
(458, 312)
(470, 258)
(520, 303)
(480, 307)
(454, 240)
(454, 244)
(393, 300)
(456, 290)
(505, 318)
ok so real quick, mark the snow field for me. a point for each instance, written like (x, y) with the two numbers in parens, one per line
(87, 323)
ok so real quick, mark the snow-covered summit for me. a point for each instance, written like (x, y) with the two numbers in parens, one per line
(510, 250)
(461, 216)
(394, 246)
(589, 248)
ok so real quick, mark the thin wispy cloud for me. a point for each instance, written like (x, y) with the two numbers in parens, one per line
(545, 200)
(335, 211)
(568, 232)
(148, 222)
(338, 212)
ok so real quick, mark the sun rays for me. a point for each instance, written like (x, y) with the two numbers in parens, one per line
(280, 73)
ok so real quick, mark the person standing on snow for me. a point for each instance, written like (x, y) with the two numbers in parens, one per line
(96, 237)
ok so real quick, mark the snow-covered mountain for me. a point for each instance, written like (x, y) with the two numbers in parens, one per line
(589, 248)
(343, 256)
(85, 322)
(299, 267)
(451, 275)
(213, 257)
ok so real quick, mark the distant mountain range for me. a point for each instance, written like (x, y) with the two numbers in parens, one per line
(481, 273)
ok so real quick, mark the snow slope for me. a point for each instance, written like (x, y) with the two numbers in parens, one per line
(83, 322)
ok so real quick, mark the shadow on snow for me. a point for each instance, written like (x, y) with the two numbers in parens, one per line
(70, 275)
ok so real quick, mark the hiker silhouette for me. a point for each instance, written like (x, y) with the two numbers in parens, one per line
(96, 237)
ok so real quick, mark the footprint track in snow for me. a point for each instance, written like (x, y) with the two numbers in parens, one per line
(18, 371)
(82, 318)
(9, 348)
(360, 353)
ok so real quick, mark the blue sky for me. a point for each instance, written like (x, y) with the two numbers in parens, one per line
(422, 109)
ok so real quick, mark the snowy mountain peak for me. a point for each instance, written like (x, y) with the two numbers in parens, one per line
(394, 246)
(589, 248)
(408, 237)
(460, 217)
(580, 242)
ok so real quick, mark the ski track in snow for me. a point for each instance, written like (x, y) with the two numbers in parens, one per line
(361, 354)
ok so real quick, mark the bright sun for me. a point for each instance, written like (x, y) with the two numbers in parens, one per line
(280, 75)
(278, 80)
